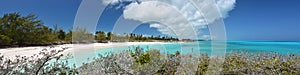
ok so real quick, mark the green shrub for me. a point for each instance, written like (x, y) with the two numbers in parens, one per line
(37, 64)
(153, 62)
(4, 40)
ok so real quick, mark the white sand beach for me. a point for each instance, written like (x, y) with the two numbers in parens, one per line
(70, 48)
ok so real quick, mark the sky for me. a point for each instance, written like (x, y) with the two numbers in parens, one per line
(243, 19)
(264, 20)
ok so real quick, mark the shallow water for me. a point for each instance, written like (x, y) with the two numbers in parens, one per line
(281, 47)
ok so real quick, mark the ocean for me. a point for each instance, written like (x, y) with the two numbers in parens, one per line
(281, 47)
(200, 47)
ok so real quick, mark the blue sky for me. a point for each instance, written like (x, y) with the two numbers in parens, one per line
(249, 20)
(264, 20)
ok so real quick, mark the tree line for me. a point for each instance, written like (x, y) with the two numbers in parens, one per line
(18, 30)
(109, 36)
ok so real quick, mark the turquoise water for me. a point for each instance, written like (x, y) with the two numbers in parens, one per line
(281, 47)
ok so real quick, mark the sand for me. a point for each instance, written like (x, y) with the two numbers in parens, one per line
(69, 48)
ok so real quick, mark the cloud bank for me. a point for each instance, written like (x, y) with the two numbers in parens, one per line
(177, 15)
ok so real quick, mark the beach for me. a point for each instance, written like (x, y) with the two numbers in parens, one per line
(69, 48)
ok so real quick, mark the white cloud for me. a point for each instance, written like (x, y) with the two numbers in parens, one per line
(225, 6)
(106, 2)
(170, 19)
(178, 15)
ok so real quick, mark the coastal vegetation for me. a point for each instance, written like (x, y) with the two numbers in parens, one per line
(236, 63)
(38, 64)
(109, 36)
(17, 30)
(139, 61)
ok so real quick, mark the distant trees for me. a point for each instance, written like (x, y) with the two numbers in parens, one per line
(82, 35)
(61, 34)
(109, 34)
(100, 36)
(16, 29)
(69, 36)
(140, 37)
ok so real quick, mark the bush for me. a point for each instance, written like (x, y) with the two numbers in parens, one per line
(36, 64)
(128, 62)
(153, 62)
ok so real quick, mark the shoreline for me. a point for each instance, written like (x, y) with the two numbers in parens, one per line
(69, 48)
